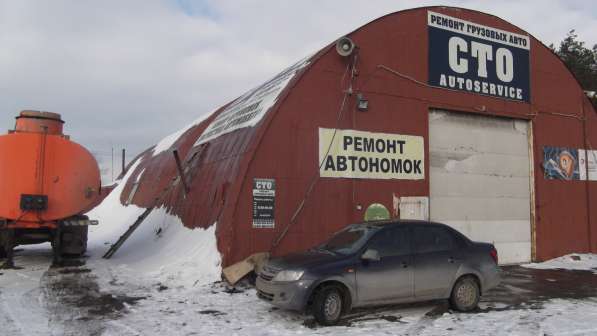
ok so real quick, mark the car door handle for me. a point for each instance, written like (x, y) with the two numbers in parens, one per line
(404, 264)
(452, 260)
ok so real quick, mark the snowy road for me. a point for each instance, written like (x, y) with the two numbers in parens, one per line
(21, 298)
(99, 297)
(40, 299)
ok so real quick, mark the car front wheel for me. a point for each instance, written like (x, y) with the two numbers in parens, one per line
(328, 305)
(465, 294)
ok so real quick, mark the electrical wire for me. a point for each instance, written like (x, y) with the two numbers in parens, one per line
(399, 74)
(348, 92)
(407, 77)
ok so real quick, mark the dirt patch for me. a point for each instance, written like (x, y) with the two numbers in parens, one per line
(4, 266)
(107, 304)
(440, 309)
(389, 318)
(77, 288)
(211, 312)
(68, 262)
(528, 288)
(72, 294)
(74, 270)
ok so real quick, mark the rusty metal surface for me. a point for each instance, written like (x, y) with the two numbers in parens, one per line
(284, 145)
(39, 122)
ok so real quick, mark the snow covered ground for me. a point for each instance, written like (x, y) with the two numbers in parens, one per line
(105, 297)
(576, 261)
(164, 281)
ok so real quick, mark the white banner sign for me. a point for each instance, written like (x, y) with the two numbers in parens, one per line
(250, 108)
(367, 155)
(587, 157)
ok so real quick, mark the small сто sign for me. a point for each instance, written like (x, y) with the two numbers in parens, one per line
(264, 199)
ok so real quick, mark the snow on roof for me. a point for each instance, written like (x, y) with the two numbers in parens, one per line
(245, 111)
(167, 142)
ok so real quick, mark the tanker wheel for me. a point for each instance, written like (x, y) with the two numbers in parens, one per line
(73, 240)
(7, 247)
(57, 246)
(3, 236)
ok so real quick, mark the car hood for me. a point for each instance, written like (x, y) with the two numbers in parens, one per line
(304, 260)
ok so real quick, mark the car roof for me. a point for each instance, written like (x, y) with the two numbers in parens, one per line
(394, 222)
(381, 224)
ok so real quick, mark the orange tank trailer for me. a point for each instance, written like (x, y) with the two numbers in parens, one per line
(47, 183)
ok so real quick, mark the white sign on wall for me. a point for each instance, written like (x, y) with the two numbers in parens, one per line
(414, 207)
(587, 157)
(367, 155)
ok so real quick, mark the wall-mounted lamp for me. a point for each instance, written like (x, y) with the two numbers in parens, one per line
(362, 103)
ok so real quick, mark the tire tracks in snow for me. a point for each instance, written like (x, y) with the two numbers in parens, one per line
(39, 299)
(75, 301)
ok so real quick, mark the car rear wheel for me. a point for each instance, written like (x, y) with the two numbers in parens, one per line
(328, 305)
(465, 294)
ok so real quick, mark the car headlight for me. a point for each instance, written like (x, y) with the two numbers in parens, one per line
(292, 275)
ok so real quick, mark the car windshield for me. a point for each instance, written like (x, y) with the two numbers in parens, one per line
(349, 240)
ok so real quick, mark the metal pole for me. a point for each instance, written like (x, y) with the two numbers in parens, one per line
(587, 186)
(180, 171)
(112, 170)
(123, 160)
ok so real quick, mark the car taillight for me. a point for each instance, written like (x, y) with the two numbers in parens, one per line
(494, 254)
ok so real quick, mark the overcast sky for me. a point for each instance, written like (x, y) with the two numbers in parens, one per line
(127, 73)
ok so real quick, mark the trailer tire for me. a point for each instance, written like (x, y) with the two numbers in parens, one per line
(73, 240)
(3, 238)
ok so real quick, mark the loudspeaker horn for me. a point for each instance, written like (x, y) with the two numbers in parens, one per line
(345, 46)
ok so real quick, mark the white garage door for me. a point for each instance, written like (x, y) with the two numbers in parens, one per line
(479, 180)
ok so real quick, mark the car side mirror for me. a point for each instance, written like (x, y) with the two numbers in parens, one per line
(371, 255)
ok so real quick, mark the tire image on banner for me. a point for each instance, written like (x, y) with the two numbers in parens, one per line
(560, 163)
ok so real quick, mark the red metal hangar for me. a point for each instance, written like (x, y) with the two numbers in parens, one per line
(433, 113)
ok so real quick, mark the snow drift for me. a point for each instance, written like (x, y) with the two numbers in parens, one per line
(161, 247)
(574, 261)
